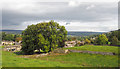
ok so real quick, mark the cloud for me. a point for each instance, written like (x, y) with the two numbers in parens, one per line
(73, 3)
(89, 7)
(86, 15)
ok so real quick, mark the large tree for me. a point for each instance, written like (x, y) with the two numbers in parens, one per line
(44, 36)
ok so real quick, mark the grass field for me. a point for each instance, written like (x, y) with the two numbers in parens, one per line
(10, 59)
(13, 60)
(113, 49)
(0, 57)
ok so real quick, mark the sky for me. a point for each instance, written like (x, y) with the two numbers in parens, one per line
(77, 15)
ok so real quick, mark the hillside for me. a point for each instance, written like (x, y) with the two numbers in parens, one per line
(69, 33)
(84, 33)
(12, 31)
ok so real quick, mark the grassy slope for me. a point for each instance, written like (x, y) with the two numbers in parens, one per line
(12, 60)
(113, 49)
(66, 60)
(85, 60)
(0, 56)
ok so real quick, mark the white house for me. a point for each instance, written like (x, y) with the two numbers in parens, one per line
(8, 42)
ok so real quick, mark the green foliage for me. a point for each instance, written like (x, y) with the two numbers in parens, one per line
(114, 33)
(114, 40)
(109, 43)
(44, 36)
(69, 38)
(114, 37)
(101, 40)
(80, 38)
(9, 36)
(87, 41)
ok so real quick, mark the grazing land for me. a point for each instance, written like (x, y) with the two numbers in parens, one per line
(113, 49)
(11, 59)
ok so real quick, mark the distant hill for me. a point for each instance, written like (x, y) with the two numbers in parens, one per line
(84, 33)
(69, 33)
(12, 31)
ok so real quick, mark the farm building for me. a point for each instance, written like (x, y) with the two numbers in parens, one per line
(12, 48)
(73, 43)
(8, 42)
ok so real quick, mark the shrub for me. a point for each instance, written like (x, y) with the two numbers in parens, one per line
(101, 40)
(87, 41)
(114, 40)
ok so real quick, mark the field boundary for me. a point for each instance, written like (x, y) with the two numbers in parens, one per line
(93, 52)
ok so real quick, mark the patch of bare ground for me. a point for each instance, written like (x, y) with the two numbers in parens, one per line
(41, 55)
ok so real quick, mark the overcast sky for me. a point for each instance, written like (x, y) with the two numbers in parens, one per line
(74, 15)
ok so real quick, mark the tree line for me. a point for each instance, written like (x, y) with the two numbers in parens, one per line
(10, 37)
(109, 38)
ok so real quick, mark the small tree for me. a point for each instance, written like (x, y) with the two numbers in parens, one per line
(101, 39)
(87, 41)
(114, 40)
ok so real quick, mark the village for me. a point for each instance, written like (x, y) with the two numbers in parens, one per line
(11, 45)
(16, 46)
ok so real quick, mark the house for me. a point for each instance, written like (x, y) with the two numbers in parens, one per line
(92, 38)
(8, 42)
(17, 43)
(12, 48)
(70, 44)
(73, 43)
(20, 42)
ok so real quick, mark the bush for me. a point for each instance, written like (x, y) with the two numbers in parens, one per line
(114, 40)
(101, 40)
(87, 41)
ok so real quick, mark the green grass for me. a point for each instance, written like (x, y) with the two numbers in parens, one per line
(85, 60)
(113, 49)
(10, 59)
(68, 60)
(0, 56)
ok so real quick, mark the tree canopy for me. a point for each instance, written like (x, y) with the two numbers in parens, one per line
(87, 41)
(44, 36)
(9, 36)
(101, 39)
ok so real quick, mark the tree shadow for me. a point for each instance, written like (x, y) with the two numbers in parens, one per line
(19, 53)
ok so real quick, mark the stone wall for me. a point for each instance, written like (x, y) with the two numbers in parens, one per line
(93, 52)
